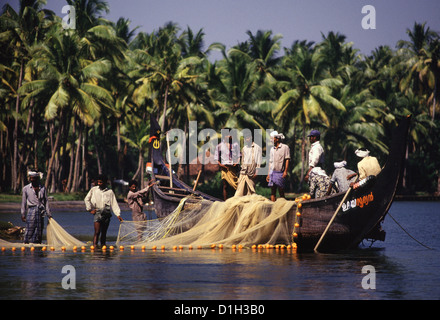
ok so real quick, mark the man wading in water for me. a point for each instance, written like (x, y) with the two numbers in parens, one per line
(100, 201)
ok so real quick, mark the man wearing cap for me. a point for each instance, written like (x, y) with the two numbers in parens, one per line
(368, 166)
(316, 153)
(34, 207)
(278, 165)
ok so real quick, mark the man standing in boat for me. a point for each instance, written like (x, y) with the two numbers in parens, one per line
(316, 153)
(278, 165)
(251, 155)
(227, 154)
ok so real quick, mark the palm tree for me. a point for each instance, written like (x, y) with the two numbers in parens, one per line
(422, 54)
(263, 49)
(135, 133)
(122, 28)
(164, 73)
(234, 89)
(21, 30)
(192, 45)
(68, 82)
(88, 13)
(307, 96)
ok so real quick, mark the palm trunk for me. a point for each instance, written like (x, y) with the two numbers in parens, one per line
(15, 135)
(85, 167)
(303, 154)
(50, 166)
(165, 107)
(96, 152)
(76, 171)
(119, 150)
(140, 162)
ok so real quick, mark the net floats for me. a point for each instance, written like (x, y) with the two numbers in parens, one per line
(213, 247)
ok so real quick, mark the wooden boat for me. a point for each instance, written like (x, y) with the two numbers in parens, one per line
(359, 217)
(166, 197)
(363, 210)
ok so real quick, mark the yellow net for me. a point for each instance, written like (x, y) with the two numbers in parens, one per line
(56, 237)
(245, 221)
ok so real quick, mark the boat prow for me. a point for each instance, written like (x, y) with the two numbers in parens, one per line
(363, 210)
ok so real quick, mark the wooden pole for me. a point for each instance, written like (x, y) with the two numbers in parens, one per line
(197, 180)
(170, 169)
(331, 220)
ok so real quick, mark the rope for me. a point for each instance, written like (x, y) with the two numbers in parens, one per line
(409, 233)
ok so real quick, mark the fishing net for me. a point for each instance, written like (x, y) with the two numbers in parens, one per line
(57, 236)
(245, 221)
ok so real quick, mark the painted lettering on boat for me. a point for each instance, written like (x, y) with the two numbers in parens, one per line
(358, 202)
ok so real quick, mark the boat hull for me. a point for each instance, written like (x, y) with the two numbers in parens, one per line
(361, 213)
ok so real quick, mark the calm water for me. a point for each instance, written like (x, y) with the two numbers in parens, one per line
(404, 269)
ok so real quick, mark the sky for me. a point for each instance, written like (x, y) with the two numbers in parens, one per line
(227, 21)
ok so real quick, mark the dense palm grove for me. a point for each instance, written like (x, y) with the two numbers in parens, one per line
(77, 102)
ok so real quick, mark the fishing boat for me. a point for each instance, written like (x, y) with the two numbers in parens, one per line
(168, 191)
(332, 223)
(357, 214)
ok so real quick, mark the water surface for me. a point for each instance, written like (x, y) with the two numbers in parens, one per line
(404, 269)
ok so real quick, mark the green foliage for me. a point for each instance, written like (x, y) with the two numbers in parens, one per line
(77, 102)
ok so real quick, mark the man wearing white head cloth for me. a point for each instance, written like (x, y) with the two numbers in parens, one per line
(340, 180)
(368, 166)
(34, 207)
(278, 165)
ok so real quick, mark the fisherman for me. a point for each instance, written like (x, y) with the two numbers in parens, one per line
(101, 201)
(134, 200)
(136, 204)
(250, 163)
(319, 183)
(34, 207)
(278, 165)
(368, 166)
(227, 154)
(339, 181)
(316, 153)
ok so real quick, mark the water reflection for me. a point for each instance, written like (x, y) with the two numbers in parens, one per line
(404, 270)
(203, 274)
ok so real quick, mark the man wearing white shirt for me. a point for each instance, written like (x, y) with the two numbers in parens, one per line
(250, 162)
(316, 153)
(101, 201)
